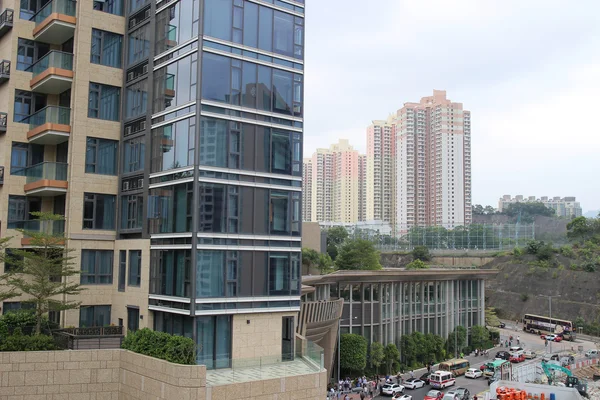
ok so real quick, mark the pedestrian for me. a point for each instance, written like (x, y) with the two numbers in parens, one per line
(428, 368)
(346, 397)
(546, 342)
(475, 397)
(412, 374)
(362, 395)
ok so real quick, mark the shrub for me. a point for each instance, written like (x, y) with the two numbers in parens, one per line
(545, 252)
(574, 267)
(589, 266)
(554, 275)
(417, 264)
(524, 297)
(23, 319)
(567, 251)
(421, 253)
(20, 342)
(533, 246)
(561, 267)
(353, 353)
(172, 348)
(517, 252)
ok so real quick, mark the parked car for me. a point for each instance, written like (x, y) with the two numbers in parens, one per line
(592, 353)
(463, 393)
(434, 395)
(473, 373)
(503, 355)
(413, 383)
(502, 325)
(399, 396)
(425, 377)
(552, 337)
(392, 388)
(515, 348)
(517, 357)
(530, 354)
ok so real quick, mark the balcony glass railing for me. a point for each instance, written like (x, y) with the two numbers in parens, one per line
(6, 16)
(54, 59)
(65, 7)
(4, 67)
(170, 82)
(172, 33)
(46, 170)
(35, 225)
(3, 120)
(50, 115)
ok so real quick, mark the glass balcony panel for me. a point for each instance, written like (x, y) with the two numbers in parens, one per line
(54, 59)
(65, 7)
(50, 115)
(46, 170)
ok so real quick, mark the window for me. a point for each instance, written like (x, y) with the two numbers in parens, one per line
(279, 212)
(27, 103)
(94, 316)
(106, 48)
(20, 209)
(104, 102)
(29, 52)
(96, 267)
(9, 306)
(137, 99)
(109, 6)
(122, 270)
(98, 211)
(101, 156)
(170, 273)
(135, 154)
(279, 274)
(132, 212)
(133, 319)
(135, 268)
(139, 44)
(24, 155)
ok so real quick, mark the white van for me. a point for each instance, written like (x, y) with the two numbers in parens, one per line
(441, 379)
(592, 353)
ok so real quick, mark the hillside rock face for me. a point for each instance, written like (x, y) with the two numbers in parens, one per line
(521, 288)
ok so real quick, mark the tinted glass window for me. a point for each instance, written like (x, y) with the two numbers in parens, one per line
(29, 52)
(265, 29)
(176, 24)
(109, 6)
(134, 154)
(132, 208)
(170, 272)
(210, 277)
(170, 209)
(106, 48)
(218, 18)
(137, 99)
(101, 156)
(250, 24)
(216, 78)
(135, 268)
(27, 103)
(279, 274)
(99, 211)
(90, 316)
(175, 84)
(104, 102)
(173, 145)
(282, 91)
(139, 44)
(96, 267)
(283, 33)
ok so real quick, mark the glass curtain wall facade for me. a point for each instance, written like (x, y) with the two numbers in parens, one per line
(212, 148)
(383, 312)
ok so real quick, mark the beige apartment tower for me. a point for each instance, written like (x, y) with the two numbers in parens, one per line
(174, 159)
(380, 174)
(433, 163)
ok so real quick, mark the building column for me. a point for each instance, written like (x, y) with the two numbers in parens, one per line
(392, 308)
(481, 301)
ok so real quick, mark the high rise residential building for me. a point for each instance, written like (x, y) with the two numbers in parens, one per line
(335, 183)
(563, 206)
(307, 186)
(362, 187)
(169, 135)
(381, 174)
(433, 162)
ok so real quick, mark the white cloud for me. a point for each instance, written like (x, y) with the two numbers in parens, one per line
(528, 71)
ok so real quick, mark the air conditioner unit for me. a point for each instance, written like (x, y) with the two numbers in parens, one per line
(142, 125)
(140, 183)
(132, 23)
(129, 76)
(127, 130)
(125, 185)
(145, 69)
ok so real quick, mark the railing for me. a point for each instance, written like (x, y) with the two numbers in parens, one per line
(5, 67)
(54, 59)
(65, 7)
(3, 120)
(46, 170)
(35, 225)
(172, 33)
(170, 82)
(108, 337)
(6, 16)
(50, 115)
(1, 175)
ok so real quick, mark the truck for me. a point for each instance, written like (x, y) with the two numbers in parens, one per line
(571, 381)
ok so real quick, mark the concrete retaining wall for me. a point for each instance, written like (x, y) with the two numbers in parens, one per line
(124, 375)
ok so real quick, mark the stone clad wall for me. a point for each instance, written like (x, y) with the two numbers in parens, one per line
(124, 375)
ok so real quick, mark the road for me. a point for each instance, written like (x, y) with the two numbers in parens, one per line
(528, 342)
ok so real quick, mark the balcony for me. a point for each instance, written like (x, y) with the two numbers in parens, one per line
(3, 122)
(55, 22)
(6, 21)
(53, 73)
(52, 228)
(169, 86)
(4, 71)
(50, 125)
(46, 179)
(1, 175)
(98, 337)
(166, 140)
(171, 37)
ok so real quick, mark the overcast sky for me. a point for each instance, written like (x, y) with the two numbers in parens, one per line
(529, 72)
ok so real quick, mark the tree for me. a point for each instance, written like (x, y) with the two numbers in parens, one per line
(392, 355)
(41, 273)
(581, 229)
(353, 352)
(417, 264)
(335, 237)
(479, 336)
(324, 263)
(527, 211)
(7, 291)
(477, 209)
(421, 253)
(407, 346)
(489, 210)
(491, 319)
(376, 356)
(461, 340)
(309, 257)
(358, 254)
